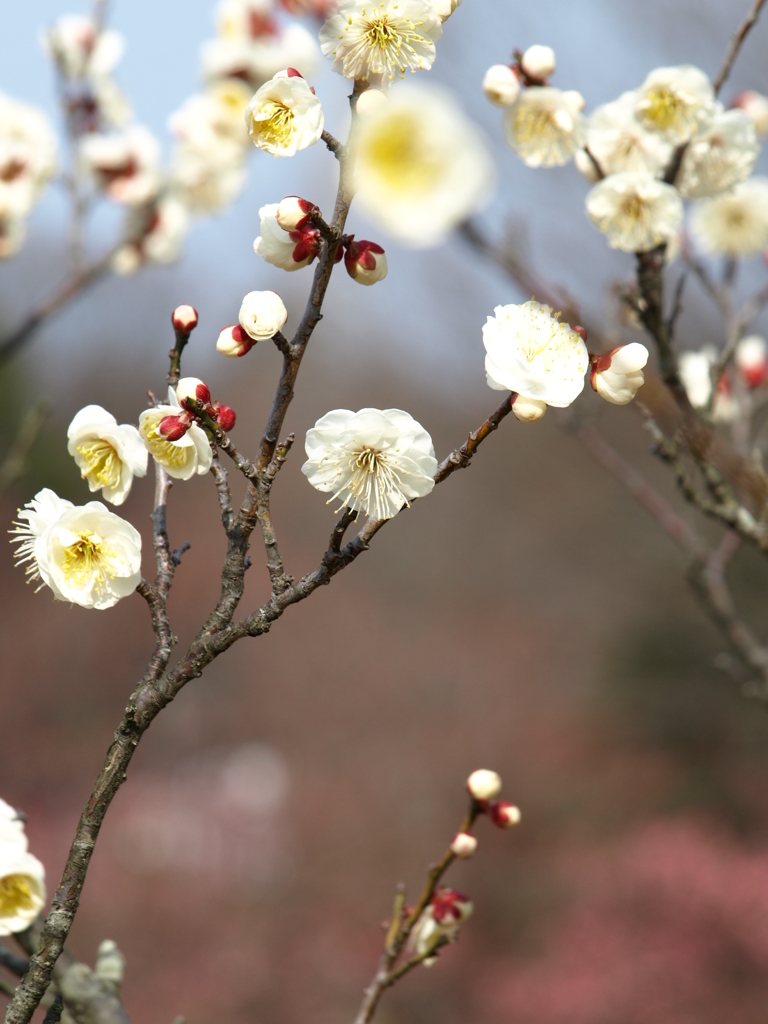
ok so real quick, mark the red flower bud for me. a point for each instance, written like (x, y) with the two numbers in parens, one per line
(184, 319)
(504, 814)
(226, 418)
(365, 261)
(173, 427)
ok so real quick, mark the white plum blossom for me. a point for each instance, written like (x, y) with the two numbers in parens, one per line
(383, 37)
(734, 223)
(155, 234)
(288, 250)
(421, 165)
(257, 59)
(618, 141)
(11, 827)
(86, 554)
(501, 85)
(262, 315)
(109, 455)
(440, 922)
(27, 154)
(22, 887)
(617, 376)
(676, 102)
(695, 374)
(538, 62)
(212, 119)
(545, 126)
(125, 165)
(373, 461)
(81, 49)
(529, 351)
(484, 784)
(184, 457)
(284, 116)
(635, 211)
(755, 106)
(722, 155)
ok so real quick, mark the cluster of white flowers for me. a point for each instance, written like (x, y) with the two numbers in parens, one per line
(626, 148)
(27, 162)
(22, 876)
(750, 366)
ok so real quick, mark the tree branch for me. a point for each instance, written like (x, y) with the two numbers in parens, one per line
(735, 45)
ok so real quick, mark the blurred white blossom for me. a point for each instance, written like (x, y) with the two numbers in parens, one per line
(545, 126)
(374, 461)
(501, 85)
(529, 351)
(22, 886)
(421, 165)
(722, 155)
(86, 554)
(755, 106)
(734, 223)
(124, 165)
(635, 210)
(108, 454)
(676, 102)
(618, 141)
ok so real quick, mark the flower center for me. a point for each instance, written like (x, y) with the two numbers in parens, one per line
(633, 208)
(277, 124)
(382, 35)
(399, 157)
(663, 108)
(87, 559)
(532, 124)
(102, 462)
(735, 218)
(15, 895)
(166, 452)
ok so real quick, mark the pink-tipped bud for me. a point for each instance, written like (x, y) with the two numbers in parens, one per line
(528, 410)
(226, 418)
(751, 358)
(307, 241)
(504, 814)
(190, 391)
(173, 427)
(538, 62)
(463, 845)
(617, 375)
(184, 319)
(365, 261)
(450, 906)
(293, 213)
(484, 784)
(233, 341)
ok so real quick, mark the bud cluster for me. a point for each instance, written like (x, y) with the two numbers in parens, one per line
(484, 787)
(190, 391)
(502, 82)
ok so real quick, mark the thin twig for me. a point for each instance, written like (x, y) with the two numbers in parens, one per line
(735, 45)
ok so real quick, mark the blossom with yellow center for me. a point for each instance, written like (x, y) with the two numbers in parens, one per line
(530, 352)
(182, 458)
(373, 461)
(675, 102)
(545, 126)
(86, 554)
(421, 165)
(22, 890)
(635, 210)
(389, 37)
(618, 141)
(721, 156)
(108, 455)
(734, 223)
(284, 116)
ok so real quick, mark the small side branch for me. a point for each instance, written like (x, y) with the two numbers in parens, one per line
(460, 458)
(735, 45)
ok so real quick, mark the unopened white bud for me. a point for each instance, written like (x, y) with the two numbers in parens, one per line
(233, 341)
(262, 315)
(538, 62)
(501, 85)
(184, 319)
(617, 376)
(484, 784)
(528, 410)
(369, 101)
(191, 390)
(293, 213)
(463, 845)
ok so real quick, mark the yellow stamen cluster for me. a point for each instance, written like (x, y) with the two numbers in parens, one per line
(87, 559)
(536, 125)
(374, 480)
(277, 127)
(102, 463)
(663, 108)
(15, 895)
(166, 452)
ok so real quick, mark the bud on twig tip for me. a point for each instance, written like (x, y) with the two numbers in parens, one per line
(484, 784)
(184, 319)
(504, 814)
